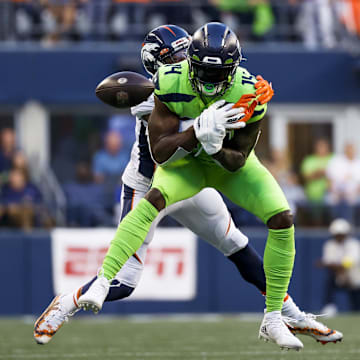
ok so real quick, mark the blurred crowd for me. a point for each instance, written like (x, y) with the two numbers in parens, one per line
(325, 187)
(21, 202)
(314, 22)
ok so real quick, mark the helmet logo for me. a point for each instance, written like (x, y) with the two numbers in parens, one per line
(212, 60)
(181, 43)
(122, 80)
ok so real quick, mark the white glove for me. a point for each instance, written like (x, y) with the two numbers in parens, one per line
(208, 132)
(210, 127)
(228, 116)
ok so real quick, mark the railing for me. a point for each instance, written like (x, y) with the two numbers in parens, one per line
(316, 24)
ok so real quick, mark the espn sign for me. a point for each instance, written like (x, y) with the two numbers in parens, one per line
(82, 261)
(170, 265)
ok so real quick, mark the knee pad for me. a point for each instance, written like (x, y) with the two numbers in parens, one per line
(209, 202)
(234, 239)
(130, 273)
(220, 231)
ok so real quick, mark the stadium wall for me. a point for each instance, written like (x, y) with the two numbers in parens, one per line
(26, 272)
(69, 76)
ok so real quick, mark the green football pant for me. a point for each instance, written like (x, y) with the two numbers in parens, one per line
(252, 188)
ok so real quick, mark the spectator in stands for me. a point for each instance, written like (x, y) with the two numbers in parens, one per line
(316, 23)
(7, 152)
(58, 18)
(7, 148)
(278, 165)
(111, 160)
(93, 18)
(19, 200)
(256, 15)
(294, 192)
(127, 17)
(26, 19)
(313, 170)
(341, 258)
(343, 173)
(85, 199)
(109, 164)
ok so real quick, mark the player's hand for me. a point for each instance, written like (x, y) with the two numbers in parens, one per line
(246, 109)
(264, 90)
(208, 132)
(209, 126)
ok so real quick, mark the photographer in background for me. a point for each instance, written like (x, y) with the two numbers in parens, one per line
(341, 258)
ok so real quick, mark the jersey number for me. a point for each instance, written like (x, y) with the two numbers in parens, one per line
(173, 70)
(248, 80)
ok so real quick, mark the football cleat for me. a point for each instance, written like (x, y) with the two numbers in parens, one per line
(274, 329)
(94, 298)
(51, 320)
(311, 327)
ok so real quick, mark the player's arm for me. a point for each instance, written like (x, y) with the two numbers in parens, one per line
(234, 152)
(165, 140)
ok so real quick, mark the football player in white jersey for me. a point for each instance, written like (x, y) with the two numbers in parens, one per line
(205, 214)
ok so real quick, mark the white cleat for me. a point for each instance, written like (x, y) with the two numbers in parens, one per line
(94, 298)
(274, 329)
(311, 327)
(51, 320)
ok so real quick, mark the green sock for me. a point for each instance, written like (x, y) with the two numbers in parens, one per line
(129, 236)
(278, 264)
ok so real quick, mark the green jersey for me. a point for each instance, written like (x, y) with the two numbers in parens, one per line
(315, 189)
(251, 187)
(173, 88)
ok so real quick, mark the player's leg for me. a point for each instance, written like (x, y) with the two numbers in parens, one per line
(264, 198)
(208, 217)
(173, 183)
(66, 305)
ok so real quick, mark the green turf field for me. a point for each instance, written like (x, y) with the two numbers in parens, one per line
(188, 338)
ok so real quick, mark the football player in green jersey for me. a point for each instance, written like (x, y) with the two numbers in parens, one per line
(217, 151)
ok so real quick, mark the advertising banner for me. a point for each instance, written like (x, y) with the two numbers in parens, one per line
(170, 266)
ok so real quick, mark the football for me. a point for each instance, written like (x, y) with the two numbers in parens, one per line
(124, 89)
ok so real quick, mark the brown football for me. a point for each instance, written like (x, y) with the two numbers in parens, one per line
(124, 89)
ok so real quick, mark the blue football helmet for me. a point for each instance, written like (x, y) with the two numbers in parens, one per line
(167, 44)
(214, 54)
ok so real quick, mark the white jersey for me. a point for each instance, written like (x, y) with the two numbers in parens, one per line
(140, 169)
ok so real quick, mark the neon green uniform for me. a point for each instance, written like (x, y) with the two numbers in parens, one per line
(251, 187)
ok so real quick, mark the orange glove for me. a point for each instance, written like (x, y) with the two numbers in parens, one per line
(244, 103)
(264, 90)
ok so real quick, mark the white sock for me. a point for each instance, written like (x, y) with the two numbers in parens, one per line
(291, 310)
